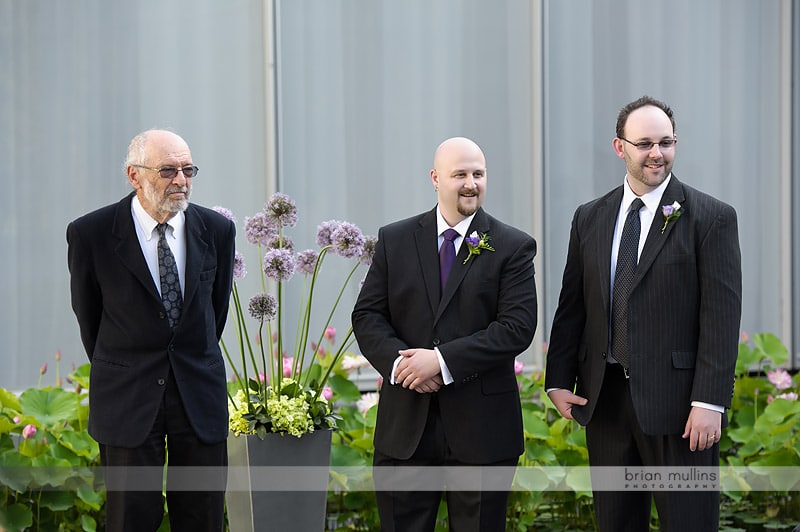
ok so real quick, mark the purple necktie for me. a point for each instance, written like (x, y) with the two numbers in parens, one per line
(447, 255)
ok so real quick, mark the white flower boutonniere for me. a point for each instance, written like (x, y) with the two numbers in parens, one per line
(476, 244)
(670, 212)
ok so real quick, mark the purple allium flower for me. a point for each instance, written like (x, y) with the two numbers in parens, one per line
(280, 242)
(324, 232)
(306, 260)
(263, 307)
(282, 209)
(259, 228)
(780, 378)
(239, 268)
(348, 241)
(224, 212)
(369, 250)
(279, 264)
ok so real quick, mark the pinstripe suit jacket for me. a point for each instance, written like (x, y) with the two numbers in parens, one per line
(683, 315)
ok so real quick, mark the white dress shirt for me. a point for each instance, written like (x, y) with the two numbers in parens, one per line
(148, 240)
(441, 226)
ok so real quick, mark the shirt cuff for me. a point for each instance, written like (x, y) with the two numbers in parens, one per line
(394, 369)
(446, 377)
(709, 406)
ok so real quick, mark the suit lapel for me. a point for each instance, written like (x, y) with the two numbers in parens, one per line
(128, 248)
(655, 239)
(196, 249)
(425, 238)
(607, 218)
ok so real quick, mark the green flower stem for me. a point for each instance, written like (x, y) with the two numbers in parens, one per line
(279, 372)
(305, 318)
(346, 343)
(230, 362)
(330, 317)
(262, 386)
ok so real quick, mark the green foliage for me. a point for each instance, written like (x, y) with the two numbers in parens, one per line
(47, 459)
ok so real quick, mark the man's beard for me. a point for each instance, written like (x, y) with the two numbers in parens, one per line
(165, 204)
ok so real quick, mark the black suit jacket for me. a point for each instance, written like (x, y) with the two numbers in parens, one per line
(485, 317)
(125, 331)
(683, 316)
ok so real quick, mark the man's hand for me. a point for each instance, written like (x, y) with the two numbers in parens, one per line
(564, 400)
(703, 428)
(417, 369)
(431, 385)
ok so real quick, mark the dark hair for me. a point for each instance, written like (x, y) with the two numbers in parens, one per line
(644, 101)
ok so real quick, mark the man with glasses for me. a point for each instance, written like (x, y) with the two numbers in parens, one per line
(151, 278)
(646, 331)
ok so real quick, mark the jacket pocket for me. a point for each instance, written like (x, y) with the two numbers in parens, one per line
(683, 359)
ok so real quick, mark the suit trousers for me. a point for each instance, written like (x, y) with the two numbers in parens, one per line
(416, 510)
(131, 474)
(614, 438)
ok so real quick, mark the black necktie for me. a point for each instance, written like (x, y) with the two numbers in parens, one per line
(447, 255)
(627, 258)
(168, 275)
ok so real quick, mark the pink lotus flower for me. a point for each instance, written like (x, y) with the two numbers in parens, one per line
(518, 367)
(16, 420)
(43, 369)
(287, 366)
(791, 396)
(745, 337)
(327, 393)
(780, 378)
(367, 401)
(58, 355)
(330, 334)
(29, 432)
(261, 377)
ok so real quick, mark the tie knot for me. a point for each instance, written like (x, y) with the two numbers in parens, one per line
(450, 235)
(636, 205)
(161, 228)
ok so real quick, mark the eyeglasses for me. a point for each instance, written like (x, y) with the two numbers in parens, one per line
(646, 145)
(169, 172)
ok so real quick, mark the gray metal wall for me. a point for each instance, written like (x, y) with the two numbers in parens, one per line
(364, 91)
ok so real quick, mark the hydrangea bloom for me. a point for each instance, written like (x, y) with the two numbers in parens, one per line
(289, 414)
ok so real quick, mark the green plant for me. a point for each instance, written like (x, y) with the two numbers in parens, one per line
(275, 392)
(762, 437)
(47, 459)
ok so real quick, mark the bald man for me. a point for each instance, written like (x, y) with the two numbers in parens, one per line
(150, 279)
(446, 348)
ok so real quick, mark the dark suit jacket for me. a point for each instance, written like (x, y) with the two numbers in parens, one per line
(486, 316)
(125, 331)
(683, 315)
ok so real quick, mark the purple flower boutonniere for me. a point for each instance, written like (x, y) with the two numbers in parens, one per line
(671, 212)
(476, 244)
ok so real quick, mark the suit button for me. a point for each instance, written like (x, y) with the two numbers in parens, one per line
(436, 341)
(162, 315)
(171, 347)
(161, 382)
(604, 355)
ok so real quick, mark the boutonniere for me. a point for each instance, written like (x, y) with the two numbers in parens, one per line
(477, 244)
(671, 212)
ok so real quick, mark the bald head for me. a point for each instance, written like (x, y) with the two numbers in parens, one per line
(459, 177)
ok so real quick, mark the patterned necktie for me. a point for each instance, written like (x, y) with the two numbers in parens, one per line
(627, 258)
(168, 275)
(447, 255)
